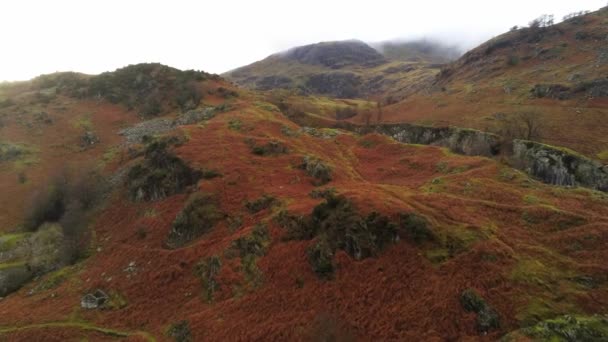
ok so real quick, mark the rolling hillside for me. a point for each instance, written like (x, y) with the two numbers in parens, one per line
(225, 220)
(557, 73)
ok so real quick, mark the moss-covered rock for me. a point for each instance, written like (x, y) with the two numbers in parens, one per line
(565, 328)
(560, 166)
(458, 140)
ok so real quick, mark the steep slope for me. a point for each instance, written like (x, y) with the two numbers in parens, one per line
(555, 73)
(73, 117)
(297, 234)
(343, 69)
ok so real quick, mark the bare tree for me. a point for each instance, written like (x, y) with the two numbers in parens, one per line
(379, 111)
(544, 20)
(524, 125)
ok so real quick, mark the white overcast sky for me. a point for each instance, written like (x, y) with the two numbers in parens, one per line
(93, 36)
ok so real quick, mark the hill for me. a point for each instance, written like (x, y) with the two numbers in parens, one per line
(226, 220)
(556, 73)
(343, 69)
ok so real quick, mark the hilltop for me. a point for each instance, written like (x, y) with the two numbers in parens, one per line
(345, 69)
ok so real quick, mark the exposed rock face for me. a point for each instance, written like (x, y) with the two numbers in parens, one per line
(559, 167)
(94, 300)
(273, 82)
(336, 84)
(195, 116)
(135, 134)
(459, 140)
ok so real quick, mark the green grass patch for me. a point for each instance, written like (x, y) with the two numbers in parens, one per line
(603, 155)
(10, 241)
(570, 328)
(83, 122)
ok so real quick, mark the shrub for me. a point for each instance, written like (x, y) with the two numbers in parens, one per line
(188, 97)
(146, 87)
(317, 169)
(207, 270)
(198, 216)
(337, 225)
(254, 244)
(320, 257)
(160, 174)
(249, 248)
(10, 151)
(264, 202)
(45, 248)
(416, 228)
(487, 318)
(180, 332)
(271, 148)
(322, 193)
(297, 227)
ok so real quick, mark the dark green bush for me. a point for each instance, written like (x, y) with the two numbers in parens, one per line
(199, 216)
(487, 318)
(320, 257)
(207, 270)
(271, 148)
(322, 193)
(254, 244)
(416, 227)
(180, 332)
(339, 226)
(317, 169)
(160, 174)
(297, 227)
(264, 202)
(147, 87)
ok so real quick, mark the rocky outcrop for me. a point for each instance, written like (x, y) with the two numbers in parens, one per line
(459, 140)
(336, 84)
(559, 166)
(195, 116)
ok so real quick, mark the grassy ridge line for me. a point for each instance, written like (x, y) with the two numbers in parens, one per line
(79, 325)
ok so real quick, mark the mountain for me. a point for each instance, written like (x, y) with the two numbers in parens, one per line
(418, 50)
(344, 69)
(557, 72)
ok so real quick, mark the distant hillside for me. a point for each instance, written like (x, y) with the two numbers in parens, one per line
(343, 69)
(418, 50)
(558, 73)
